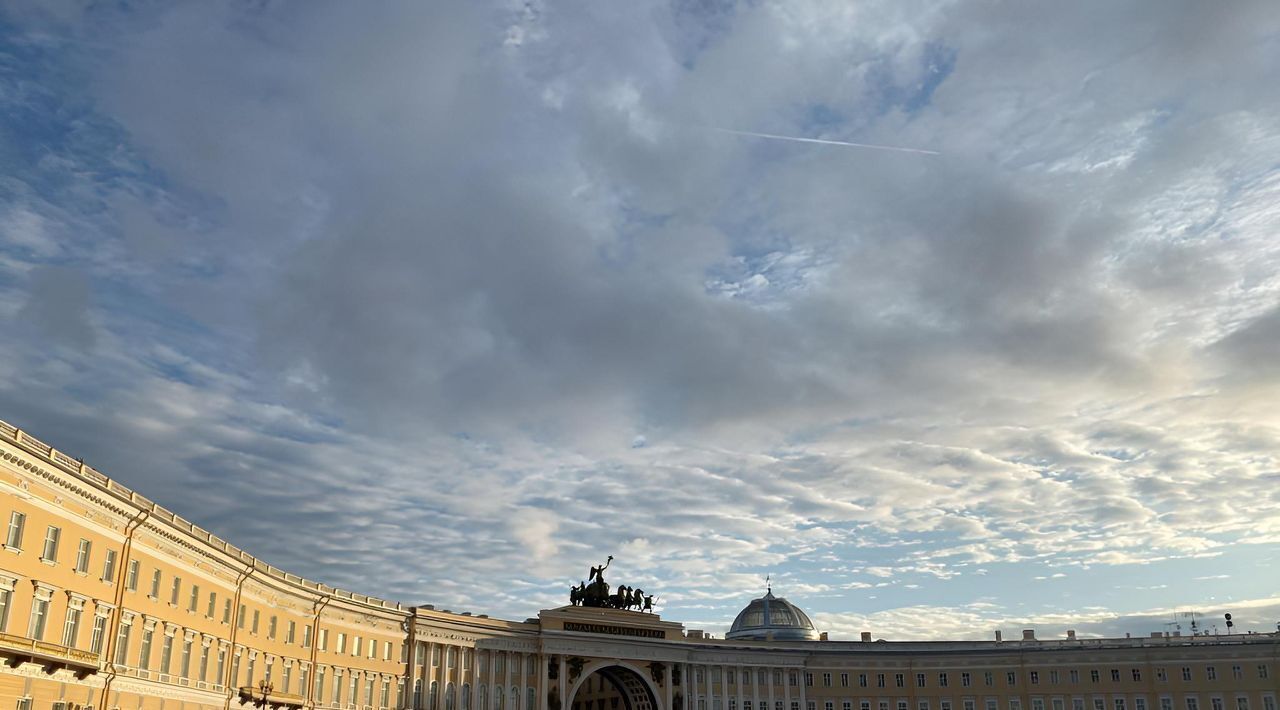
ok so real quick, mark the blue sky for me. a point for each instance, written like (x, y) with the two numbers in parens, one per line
(445, 302)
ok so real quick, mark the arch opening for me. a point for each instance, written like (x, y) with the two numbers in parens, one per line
(613, 688)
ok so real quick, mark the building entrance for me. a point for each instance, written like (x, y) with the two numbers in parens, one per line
(613, 687)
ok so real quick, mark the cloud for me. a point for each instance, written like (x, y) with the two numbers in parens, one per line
(482, 286)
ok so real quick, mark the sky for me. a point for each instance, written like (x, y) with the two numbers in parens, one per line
(445, 302)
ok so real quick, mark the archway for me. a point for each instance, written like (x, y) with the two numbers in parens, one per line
(613, 687)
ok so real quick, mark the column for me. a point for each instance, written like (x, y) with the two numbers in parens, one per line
(804, 689)
(506, 688)
(755, 688)
(666, 685)
(562, 681)
(772, 677)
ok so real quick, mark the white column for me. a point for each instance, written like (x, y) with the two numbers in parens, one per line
(803, 689)
(666, 684)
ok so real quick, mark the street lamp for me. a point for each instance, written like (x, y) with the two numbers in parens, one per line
(265, 689)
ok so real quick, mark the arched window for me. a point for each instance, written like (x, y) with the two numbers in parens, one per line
(528, 699)
(466, 696)
(482, 699)
(434, 699)
(448, 696)
(497, 698)
(515, 698)
(417, 694)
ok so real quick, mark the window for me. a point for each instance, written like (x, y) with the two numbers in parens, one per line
(131, 580)
(919, 680)
(879, 680)
(1242, 702)
(793, 679)
(71, 627)
(844, 680)
(320, 684)
(900, 680)
(1094, 676)
(1166, 703)
(808, 680)
(969, 704)
(144, 654)
(1137, 675)
(1161, 675)
(1211, 672)
(992, 704)
(324, 640)
(39, 612)
(175, 590)
(989, 678)
(186, 657)
(155, 585)
(1053, 677)
(966, 680)
(1139, 703)
(1115, 675)
(943, 705)
(82, 556)
(17, 521)
(240, 617)
(122, 642)
(98, 634)
(306, 636)
(355, 651)
(193, 601)
(204, 665)
(6, 598)
(942, 680)
(342, 642)
(1058, 704)
(386, 654)
(222, 663)
(826, 680)
(50, 551)
(1015, 704)
(226, 611)
(271, 627)
(109, 567)
(1034, 677)
(1011, 678)
(1075, 676)
(253, 628)
(862, 680)
(1119, 704)
(213, 605)
(290, 631)
(24, 704)
(1099, 704)
(1268, 702)
(1262, 670)
(1186, 674)
(1216, 703)
(1077, 704)
(1193, 703)
(166, 653)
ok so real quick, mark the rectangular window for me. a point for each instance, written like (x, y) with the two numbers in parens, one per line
(6, 598)
(166, 654)
(386, 656)
(253, 628)
(1094, 676)
(808, 680)
(204, 664)
(1161, 675)
(234, 682)
(1139, 703)
(226, 611)
(385, 700)
(919, 680)
(1268, 702)
(50, 551)
(1034, 677)
(1011, 678)
(992, 704)
(342, 642)
(320, 684)
(109, 567)
(1262, 670)
(826, 680)
(1077, 704)
(131, 579)
(122, 644)
(193, 601)
(900, 680)
(1099, 704)
(175, 590)
(306, 636)
(71, 627)
(1186, 673)
(222, 665)
(1120, 704)
(155, 585)
(1115, 675)
(1137, 674)
(1075, 676)
(844, 680)
(943, 680)
(82, 556)
(290, 631)
(1242, 702)
(862, 680)
(324, 641)
(39, 611)
(144, 655)
(98, 634)
(879, 680)
(1211, 672)
(17, 521)
(186, 658)
(240, 617)
(1058, 704)
(271, 627)
(989, 678)
(966, 680)
(1015, 704)
(304, 676)
(969, 704)
(1193, 703)
(213, 605)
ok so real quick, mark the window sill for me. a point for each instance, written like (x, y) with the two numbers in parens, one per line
(14, 550)
(49, 562)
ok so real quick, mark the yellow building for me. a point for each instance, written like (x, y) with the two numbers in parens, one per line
(109, 601)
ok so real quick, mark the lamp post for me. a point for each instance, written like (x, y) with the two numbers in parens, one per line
(265, 689)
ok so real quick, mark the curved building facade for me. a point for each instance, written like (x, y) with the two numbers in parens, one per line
(110, 602)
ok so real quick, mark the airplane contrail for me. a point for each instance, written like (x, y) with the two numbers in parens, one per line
(847, 144)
